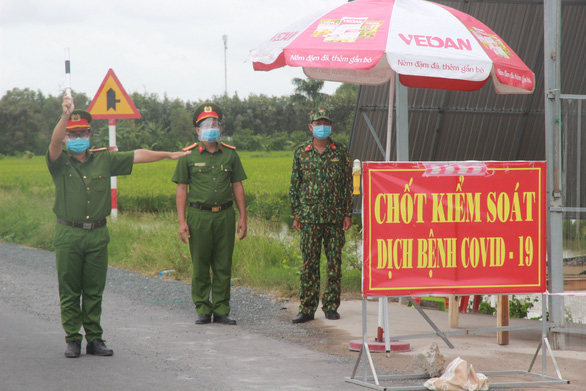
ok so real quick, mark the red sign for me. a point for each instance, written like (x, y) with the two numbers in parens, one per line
(453, 228)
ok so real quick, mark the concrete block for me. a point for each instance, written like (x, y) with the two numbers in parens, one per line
(429, 361)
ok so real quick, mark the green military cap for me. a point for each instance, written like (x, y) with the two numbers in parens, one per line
(80, 119)
(206, 110)
(319, 113)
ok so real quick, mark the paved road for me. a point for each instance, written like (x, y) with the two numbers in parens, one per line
(149, 324)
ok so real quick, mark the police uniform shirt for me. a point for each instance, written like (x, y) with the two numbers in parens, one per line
(209, 175)
(82, 190)
(321, 184)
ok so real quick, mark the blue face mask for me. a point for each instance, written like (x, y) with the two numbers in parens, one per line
(322, 132)
(209, 135)
(78, 145)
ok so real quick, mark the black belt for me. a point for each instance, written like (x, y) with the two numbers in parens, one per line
(94, 225)
(218, 208)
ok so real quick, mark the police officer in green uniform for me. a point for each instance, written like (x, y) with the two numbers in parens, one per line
(209, 181)
(82, 202)
(321, 202)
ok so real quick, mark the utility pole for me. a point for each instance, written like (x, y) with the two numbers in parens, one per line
(225, 39)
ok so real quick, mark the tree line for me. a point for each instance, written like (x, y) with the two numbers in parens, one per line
(257, 122)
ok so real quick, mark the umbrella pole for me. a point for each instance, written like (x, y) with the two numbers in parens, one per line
(390, 114)
(402, 121)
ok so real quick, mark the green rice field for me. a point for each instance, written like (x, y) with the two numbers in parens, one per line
(144, 236)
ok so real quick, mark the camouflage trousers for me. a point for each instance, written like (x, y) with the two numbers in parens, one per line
(333, 240)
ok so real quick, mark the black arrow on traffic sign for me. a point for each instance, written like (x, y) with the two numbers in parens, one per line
(111, 99)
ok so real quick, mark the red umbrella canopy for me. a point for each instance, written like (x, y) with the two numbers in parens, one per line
(429, 45)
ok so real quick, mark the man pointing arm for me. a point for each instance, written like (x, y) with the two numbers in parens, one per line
(82, 203)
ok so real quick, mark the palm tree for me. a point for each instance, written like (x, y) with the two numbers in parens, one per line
(309, 89)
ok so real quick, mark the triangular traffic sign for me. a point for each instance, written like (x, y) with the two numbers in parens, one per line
(112, 101)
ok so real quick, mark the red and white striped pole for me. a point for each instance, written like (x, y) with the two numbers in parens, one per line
(113, 182)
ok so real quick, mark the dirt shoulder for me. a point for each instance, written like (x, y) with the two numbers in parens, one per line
(481, 350)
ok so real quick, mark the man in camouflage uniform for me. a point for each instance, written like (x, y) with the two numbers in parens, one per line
(321, 203)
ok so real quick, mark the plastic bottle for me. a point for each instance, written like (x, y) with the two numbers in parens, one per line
(165, 272)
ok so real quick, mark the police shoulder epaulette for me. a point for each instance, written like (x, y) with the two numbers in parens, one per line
(229, 146)
(99, 149)
(190, 147)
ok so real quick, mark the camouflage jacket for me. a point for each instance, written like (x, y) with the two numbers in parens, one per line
(321, 185)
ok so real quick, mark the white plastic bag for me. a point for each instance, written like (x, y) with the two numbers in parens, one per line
(459, 376)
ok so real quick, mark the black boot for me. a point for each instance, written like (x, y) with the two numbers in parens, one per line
(203, 319)
(98, 348)
(332, 315)
(73, 349)
(302, 318)
(224, 319)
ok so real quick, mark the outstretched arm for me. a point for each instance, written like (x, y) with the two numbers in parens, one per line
(148, 156)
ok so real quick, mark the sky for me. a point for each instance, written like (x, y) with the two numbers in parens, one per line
(171, 47)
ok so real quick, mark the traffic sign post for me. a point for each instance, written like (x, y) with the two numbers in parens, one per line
(113, 180)
(111, 102)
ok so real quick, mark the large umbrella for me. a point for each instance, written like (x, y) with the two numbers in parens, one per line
(369, 41)
(429, 45)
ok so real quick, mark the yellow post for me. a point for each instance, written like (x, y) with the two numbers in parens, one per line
(356, 172)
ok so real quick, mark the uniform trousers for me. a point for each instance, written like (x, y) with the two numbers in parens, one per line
(82, 265)
(313, 236)
(211, 244)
